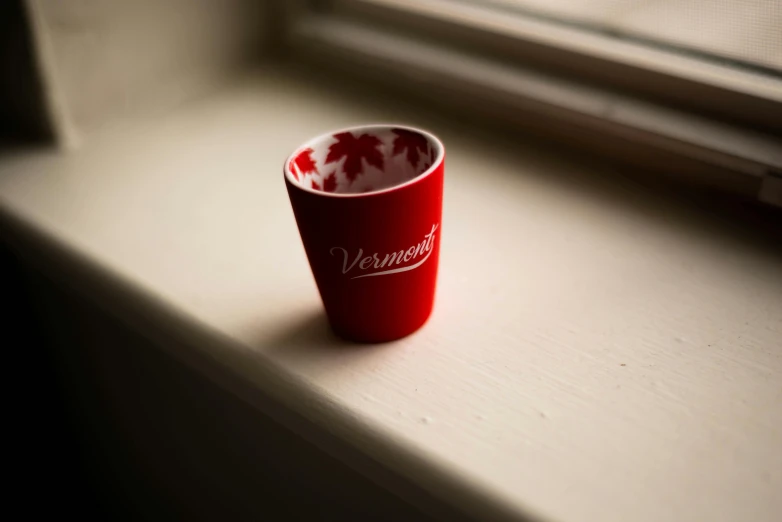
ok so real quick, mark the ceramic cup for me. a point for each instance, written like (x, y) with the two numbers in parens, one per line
(368, 204)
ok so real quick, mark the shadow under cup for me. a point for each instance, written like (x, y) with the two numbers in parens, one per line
(368, 205)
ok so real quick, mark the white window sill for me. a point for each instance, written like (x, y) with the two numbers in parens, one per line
(596, 352)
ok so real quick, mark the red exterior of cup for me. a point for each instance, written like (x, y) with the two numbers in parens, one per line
(373, 308)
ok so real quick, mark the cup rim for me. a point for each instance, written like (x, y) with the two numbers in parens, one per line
(357, 128)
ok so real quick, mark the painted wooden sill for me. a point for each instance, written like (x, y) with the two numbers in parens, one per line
(597, 352)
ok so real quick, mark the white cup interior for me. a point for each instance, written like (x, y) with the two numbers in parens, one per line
(363, 159)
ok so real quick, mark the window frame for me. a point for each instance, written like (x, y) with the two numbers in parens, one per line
(749, 97)
(710, 113)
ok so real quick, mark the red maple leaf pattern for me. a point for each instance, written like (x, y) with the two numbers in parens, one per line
(406, 153)
(415, 144)
(330, 182)
(305, 163)
(353, 150)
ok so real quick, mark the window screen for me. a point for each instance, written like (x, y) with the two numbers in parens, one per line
(746, 33)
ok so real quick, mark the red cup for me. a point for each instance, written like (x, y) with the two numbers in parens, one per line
(368, 203)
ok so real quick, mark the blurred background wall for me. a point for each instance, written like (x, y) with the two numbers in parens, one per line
(108, 59)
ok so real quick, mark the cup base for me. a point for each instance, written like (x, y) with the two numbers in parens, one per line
(371, 334)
